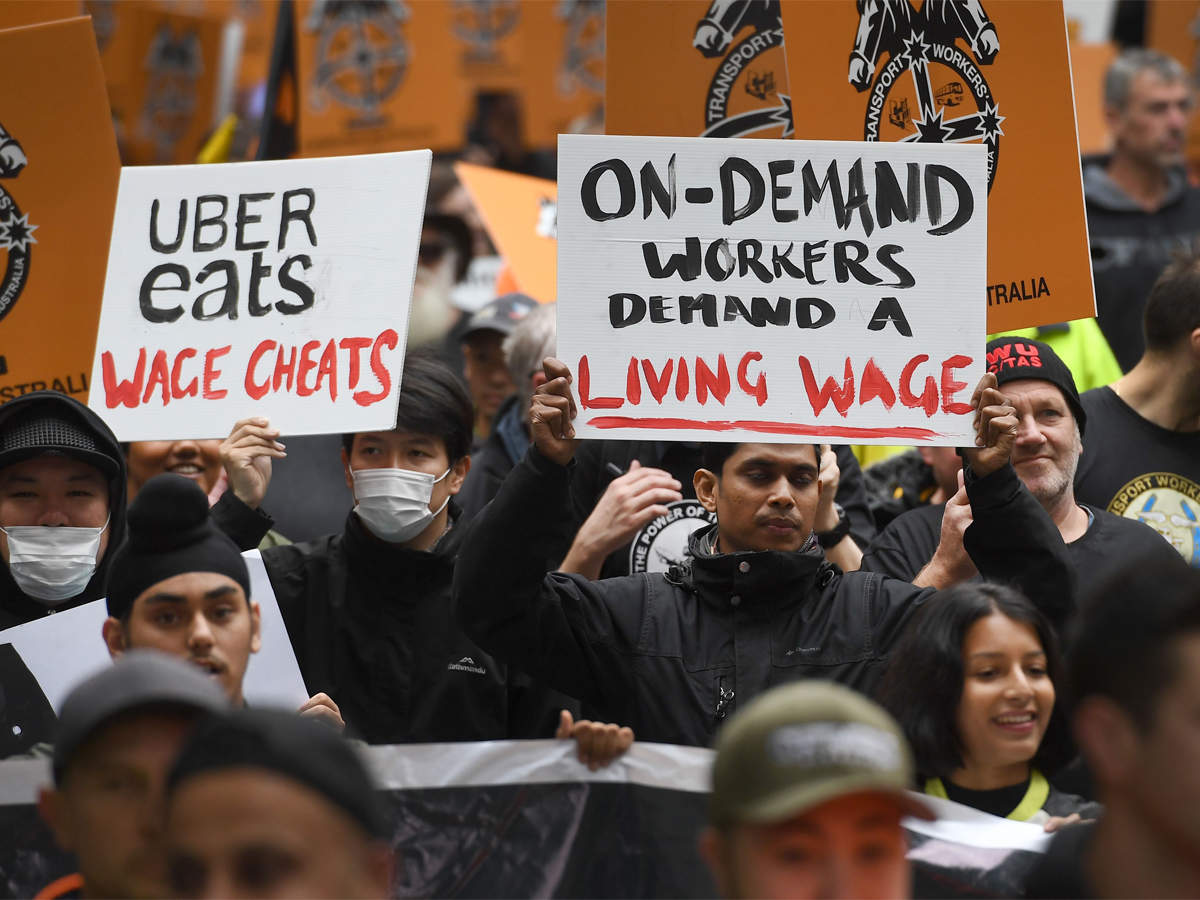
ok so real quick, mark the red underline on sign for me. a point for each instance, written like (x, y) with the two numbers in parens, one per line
(840, 431)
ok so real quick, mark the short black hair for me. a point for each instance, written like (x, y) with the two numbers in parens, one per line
(923, 684)
(714, 454)
(1124, 642)
(1173, 307)
(433, 401)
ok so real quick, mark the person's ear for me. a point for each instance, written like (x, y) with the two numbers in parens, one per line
(1194, 346)
(114, 636)
(346, 468)
(712, 851)
(1108, 739)
(1112, 117)
(458, 473)
(708, 487)
(50, 804)
(255, 628)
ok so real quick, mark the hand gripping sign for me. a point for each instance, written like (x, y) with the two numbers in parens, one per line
(715, 289)
(280, 288)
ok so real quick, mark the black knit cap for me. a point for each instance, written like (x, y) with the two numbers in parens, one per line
(1013, 358)
(56, 424)
(286, 744)
(170, 533)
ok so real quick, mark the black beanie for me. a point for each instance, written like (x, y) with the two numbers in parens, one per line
(170, 532)
(1013, 358)
(279, 741)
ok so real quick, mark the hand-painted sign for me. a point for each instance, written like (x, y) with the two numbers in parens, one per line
(947, 72)
(771, 290)
(276, 287)
(58, 185)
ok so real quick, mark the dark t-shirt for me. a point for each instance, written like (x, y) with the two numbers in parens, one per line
(1139, 470)
(903, 548)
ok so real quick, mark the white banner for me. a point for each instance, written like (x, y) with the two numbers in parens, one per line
(275, 288)
(765, 290)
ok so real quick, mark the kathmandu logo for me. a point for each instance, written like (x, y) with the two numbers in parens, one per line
(920, 43)
(466, 664)
(16, 232)
(362, 56)
(714, 37)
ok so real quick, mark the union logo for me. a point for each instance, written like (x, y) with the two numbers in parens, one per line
(16, 232)
(736, 79)
(1168, 503)
(917, 93)
(482, 24)
(362, 54)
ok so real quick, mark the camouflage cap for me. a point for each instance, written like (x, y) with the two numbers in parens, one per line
(800, 745)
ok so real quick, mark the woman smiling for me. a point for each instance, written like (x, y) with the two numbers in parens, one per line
(972, 684)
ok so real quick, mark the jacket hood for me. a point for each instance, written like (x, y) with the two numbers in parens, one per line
(754, 574)
(15, 605)
(1101, 190)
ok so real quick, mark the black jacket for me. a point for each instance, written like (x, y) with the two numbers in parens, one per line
(372, 626)
(16, 607)
(673, 654)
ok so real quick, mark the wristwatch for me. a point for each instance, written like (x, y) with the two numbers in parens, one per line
(833, 536)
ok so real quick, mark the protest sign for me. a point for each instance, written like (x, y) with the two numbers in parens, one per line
(947, 72)
(34, 12)
(1174, 28)
(563, 71)
(363, 85)
(58, 185)
(1089, 62)
(527, 819)
(272, 288)
(487, 42)
(63, 649)
(817, 288)
(519, 214)
(695, 68)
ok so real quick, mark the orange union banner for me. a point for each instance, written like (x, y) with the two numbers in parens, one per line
(949, 71)
(692, 68)
(375, 77)
(58, 188)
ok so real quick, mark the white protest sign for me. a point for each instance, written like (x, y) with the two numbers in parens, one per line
(275, 288)
(765, 290)
(63, 649)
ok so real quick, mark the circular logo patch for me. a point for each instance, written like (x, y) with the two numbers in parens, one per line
(663, 541)
(1168, 503)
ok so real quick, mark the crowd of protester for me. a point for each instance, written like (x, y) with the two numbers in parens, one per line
(1012, 626)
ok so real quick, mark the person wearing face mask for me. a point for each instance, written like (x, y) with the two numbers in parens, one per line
(368, 609)
(62, 505)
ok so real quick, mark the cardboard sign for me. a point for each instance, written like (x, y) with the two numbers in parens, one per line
(63, 649)
(488, 42)
(947, 72)
(771, 290)
(35, 12)
(273, 288)
(377, 76)
(1174, 28)
(519, 213)
(696, 68)
(563, 72)
(58, 186)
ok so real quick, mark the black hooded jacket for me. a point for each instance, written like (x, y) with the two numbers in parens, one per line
(372, 626)
(16, 607)
(674, 654)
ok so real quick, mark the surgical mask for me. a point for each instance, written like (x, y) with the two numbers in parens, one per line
(394, 503)
(52, 563)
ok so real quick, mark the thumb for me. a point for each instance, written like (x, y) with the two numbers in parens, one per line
(565, 723)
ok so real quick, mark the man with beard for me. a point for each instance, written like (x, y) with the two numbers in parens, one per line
(925, 545)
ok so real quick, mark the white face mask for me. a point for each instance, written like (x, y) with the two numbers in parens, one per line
(394, 503)
(52, 563)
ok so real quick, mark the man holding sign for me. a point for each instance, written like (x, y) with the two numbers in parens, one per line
(757, 604)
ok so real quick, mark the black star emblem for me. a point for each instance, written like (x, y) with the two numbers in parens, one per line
(933, 131)
(17, 233)
(989, 122)
(916, 50)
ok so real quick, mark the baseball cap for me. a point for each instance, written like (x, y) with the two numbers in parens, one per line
(278, 741)
(802, 744)
(501, 314)
(50, 422)
(137, 679)
(1013, 358)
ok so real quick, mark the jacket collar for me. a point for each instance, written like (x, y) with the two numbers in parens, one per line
(759, 576)
(368, 551)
